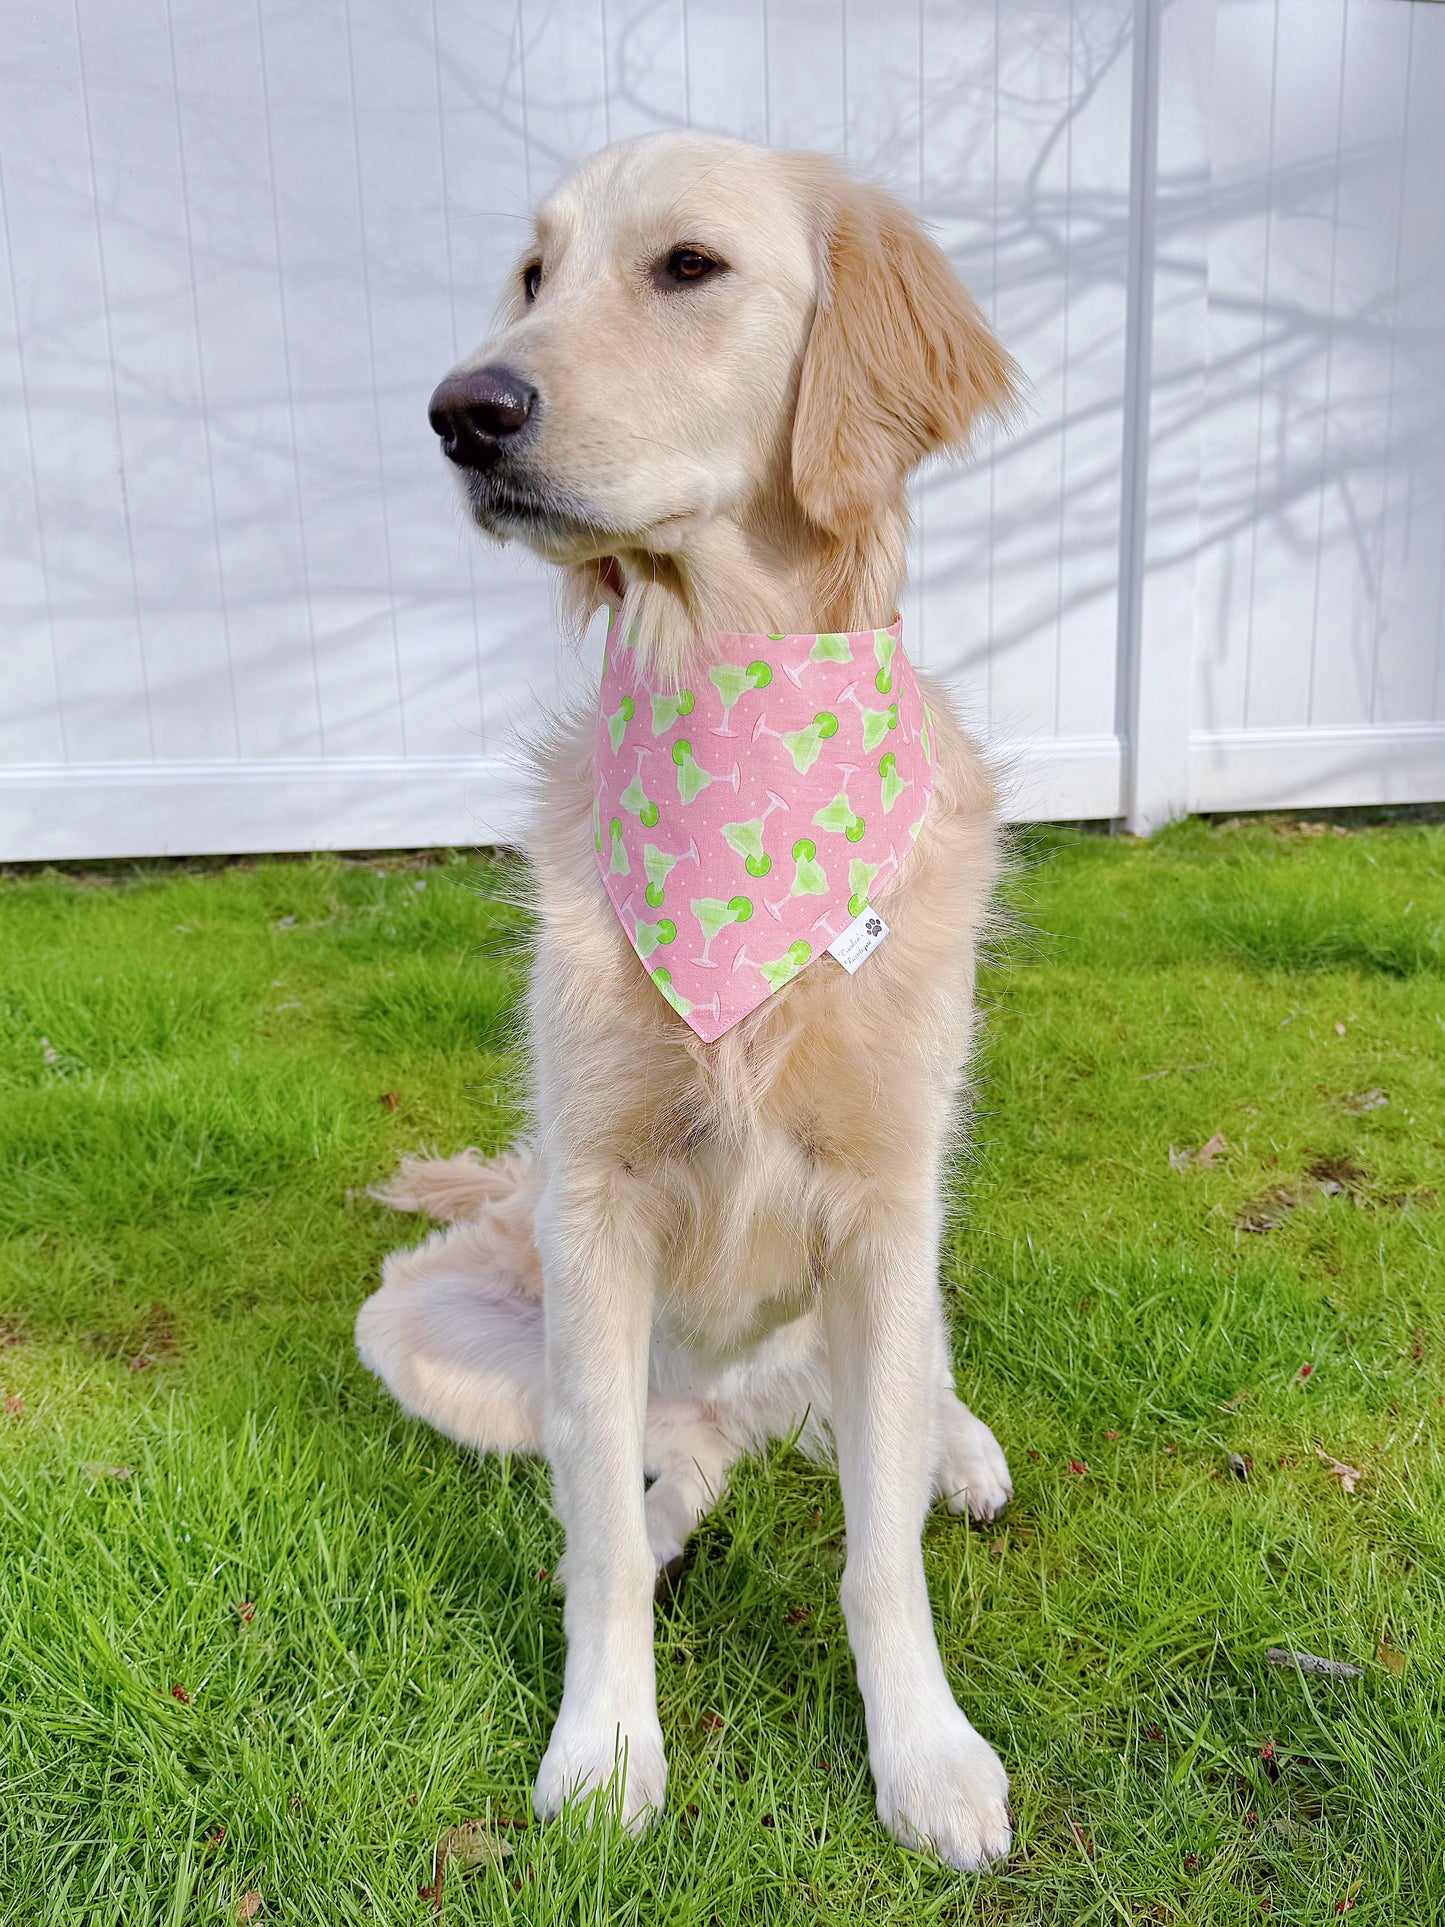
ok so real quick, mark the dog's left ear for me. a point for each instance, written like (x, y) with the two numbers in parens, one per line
(900, 364)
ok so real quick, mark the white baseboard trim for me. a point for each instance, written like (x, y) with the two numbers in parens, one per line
(1262, 769)
(59, 812)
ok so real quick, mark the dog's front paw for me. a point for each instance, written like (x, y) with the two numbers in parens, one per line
(605, 1766)
(973, 1473)
(946, 1792)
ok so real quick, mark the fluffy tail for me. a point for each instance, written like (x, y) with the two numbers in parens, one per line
(455, 1331)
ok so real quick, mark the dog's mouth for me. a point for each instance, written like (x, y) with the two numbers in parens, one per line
(507, 504)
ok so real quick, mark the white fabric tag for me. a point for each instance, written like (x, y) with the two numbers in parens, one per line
(859, 940)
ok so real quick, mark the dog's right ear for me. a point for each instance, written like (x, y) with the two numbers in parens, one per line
(900, 364)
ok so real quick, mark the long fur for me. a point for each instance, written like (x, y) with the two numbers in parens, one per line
(738, 1240)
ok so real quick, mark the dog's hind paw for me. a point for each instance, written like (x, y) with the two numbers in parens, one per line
(973, 1474)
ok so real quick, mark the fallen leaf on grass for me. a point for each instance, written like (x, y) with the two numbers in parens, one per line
(1208, 1154)
(1337, 1174)
(14, 1405)
(1367, 1100)
(1312, 1663)
(246, 1611)
(1081, 1839)
(180, 1693)
(98, 1469)
(391, 1099)
(248, 1906)
(1390, 1657)
(472, 1844)
(1349, 1476)
(1267, 1212)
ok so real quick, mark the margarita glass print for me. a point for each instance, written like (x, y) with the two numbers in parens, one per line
(659, 865)
(860, 879)
(839, 817)
(885, 649)
(782, 970)
(618, 866)
(876, 722)
(809, 877)
(650, 935)
(746, 839)
(714, 916)
(805, 746)
(662, 977)
(635, 800)
(666, 710)
(730, 680)
(692, 779)
(619, 719)
(893, 783)
(824, 649)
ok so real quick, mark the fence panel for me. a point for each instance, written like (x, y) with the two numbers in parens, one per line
(239, 607)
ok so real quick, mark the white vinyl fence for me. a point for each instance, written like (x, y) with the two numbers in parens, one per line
(243, 238)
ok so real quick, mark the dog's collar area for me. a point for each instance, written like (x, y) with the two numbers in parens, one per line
(742, 819)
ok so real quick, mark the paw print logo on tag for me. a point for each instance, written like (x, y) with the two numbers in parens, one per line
(874, 927)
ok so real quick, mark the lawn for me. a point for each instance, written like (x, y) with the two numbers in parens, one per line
(264, 1642)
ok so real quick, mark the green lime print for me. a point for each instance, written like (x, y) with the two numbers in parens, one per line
(662, 977)
(730, 679)
(714, 916)
(783, 969)
(619, 719)
(860, 876)
(884, 648)
(840, 818)
(876, 725)
(809, 877)
(659, 867)
(691, 781)
(806, 745)
(831, 649)
(619, 866)
(650, 935)
(666, 710)
(596, 825)
(893, 783)
(746, 841)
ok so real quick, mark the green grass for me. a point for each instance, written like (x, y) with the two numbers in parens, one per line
(184, 1428)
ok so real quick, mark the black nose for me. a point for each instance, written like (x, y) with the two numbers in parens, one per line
(478, 413)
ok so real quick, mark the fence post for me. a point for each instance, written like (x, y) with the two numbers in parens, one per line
(1164, 401)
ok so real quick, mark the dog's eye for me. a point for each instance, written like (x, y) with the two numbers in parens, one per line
(531, 279)
(684, 266)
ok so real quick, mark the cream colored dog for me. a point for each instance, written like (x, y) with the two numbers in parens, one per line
(715, 370)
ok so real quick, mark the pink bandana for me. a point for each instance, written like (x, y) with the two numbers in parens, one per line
(741, 822)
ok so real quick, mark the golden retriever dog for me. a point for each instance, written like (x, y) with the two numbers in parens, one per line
(715, 369)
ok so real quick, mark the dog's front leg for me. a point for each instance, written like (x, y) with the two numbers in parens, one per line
(939, 1784)
(599, 1262)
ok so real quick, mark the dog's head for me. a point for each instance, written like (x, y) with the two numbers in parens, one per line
(710, 341)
